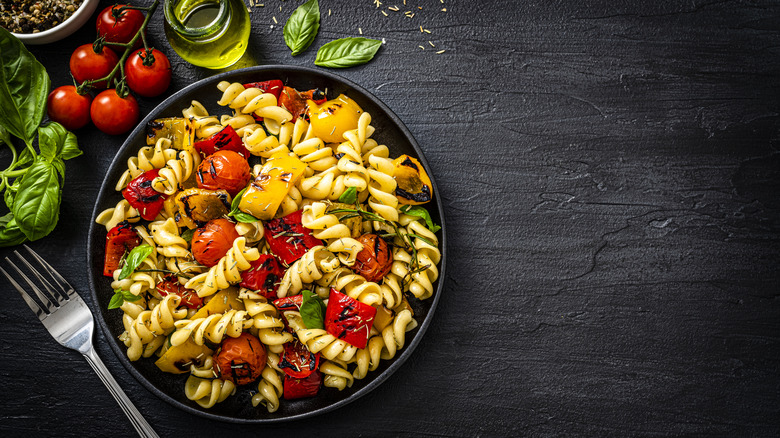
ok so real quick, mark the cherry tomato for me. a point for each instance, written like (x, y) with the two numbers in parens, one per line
(189, 297)
(112, 114)
(68, 108)
(263, 277)
(141, 196)
(212, 242)
(85, 64)
(148, 80)
(224, 170)
(240, 360)
(120, 30)
(375, 260)
(297, 361)
(294, 101)
(119, 240)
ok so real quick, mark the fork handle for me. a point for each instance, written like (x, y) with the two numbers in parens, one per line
(143, 428)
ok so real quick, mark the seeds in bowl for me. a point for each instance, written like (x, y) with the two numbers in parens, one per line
(33, 16)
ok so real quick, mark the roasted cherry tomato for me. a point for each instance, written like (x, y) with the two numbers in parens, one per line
(299, 388)
(375, 259)
(240, 360)
(226, 139)
(141, 196)
(112, 114)
(212, 242)
(148, 74)
(263, 277)
(85, 64)
(69, 108)
(333, 118)
(288, 238)
(120, 240)
(414, 184)
(294, 101)
(297, 361)
(348, 319)
(119, 26)
(189, 297)
(224, 170)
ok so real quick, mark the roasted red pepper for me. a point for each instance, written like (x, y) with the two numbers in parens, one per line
(288, 238)
(348, 319)
(171, 285)
(263, 277)
(297, 361)
(274, 86)
(141, 196)
(375, 259)
(300, 388)
(287, 304)
(294, 101)
(119, 240)
(227, 139)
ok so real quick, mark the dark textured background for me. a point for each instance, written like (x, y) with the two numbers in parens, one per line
(610, 174)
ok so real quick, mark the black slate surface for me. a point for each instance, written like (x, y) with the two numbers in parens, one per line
(610, 173)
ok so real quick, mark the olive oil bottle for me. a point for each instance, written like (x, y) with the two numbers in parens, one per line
(207, 33)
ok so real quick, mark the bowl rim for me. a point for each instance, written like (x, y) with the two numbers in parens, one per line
(400, 358)
(30, 37)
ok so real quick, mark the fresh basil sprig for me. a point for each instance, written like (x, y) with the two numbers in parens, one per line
(347, 52)
(119, 298)
(416, 210)
(188, 234)
(349, 196)
(134, 259)
(32, 183)
(312, 310)
(237, 214)
(302, 27)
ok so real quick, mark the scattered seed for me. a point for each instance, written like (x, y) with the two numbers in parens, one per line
(440, 52)
(431, 43)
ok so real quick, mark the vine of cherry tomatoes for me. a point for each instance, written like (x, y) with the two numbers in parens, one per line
(114, 60)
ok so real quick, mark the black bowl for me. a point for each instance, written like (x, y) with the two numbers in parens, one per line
(238, 408)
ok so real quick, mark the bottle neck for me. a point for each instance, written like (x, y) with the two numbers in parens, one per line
(183, 18)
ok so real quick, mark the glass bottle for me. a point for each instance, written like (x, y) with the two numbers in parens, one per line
(207, 33)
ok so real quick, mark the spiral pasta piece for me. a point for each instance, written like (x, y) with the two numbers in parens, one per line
(253, 232)
(270, 388)
(324, 226)
(111, 217)
(320, 341)
(148, 158)
(227, 271)
(346, 248)
(176, 171)
(263, 313)
(315, 154)
(309, 268)
(353, 285)
(336, 375)
(329, 184)
(382, 199)
(208, 392)
(212, 328)
(260, 144)
(144, 334)
(168, 240)
(393, 337)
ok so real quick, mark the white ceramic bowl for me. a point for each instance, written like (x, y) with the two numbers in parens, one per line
(60, 31)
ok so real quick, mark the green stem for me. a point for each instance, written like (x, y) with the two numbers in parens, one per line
(13, 173)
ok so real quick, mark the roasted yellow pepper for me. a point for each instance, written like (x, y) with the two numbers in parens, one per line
(221, 302)
(177, 360)
(176, 129)
(414, 185)
(264, 195)
(333, 118)
(194, 207)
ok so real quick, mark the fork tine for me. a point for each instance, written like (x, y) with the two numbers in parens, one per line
(46, 285)
(50, 306)
(30, 302)
(54, 274)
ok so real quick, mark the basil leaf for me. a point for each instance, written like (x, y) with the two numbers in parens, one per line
(56, 141)
(4, 135)
(302, 27)
(312, 310)
(187, 234)
(129, 296)
(349, 196)
(347, 52)
(10, 193)
(236, 200)
(244, 217)
(10, 234)
(416, 210)
(24, 85)
(134, 259)
(36, 205)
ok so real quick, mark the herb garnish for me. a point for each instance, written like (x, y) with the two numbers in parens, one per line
(119, 298)
(302, 27)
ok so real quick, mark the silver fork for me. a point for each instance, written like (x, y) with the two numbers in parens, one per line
(70, 323)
